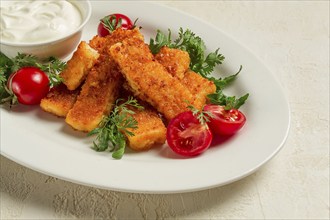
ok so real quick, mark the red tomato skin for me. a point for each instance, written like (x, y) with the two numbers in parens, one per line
(101, 31)
(225, 122)
(126, 24)
(29, 84)
(186, 136)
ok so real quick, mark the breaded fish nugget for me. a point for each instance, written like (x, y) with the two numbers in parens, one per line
(149, 79)
(79, 65)
(59, 100)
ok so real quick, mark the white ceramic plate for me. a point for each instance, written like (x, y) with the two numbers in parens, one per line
(45, 143)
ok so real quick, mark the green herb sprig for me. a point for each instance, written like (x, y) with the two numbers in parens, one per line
(111, 23)
(200, 63)
(112, 130)
(194, 45)
(202, 116)
(219, 98)
(51, 66)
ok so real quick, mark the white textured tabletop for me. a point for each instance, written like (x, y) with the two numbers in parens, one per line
(292, 39)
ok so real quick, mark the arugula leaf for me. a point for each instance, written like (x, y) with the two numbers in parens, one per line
(113, 128)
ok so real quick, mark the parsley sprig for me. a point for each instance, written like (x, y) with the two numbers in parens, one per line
(51, 66)
(112, 130)
(219, 98)
(202, 116)
(194, 45)
(200, 63)
(111, 23)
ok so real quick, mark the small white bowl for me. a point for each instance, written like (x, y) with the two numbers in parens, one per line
(60, 47)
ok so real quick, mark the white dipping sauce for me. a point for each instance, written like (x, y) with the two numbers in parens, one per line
(37, 21)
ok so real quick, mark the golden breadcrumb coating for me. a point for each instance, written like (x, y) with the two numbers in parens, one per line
(164, 81)
(175, 61)
(149, 80)
(151, 130)
(96, 98)
(102, 85)
(59, 100)
(102, 44)
(199, 86)
(78, 66)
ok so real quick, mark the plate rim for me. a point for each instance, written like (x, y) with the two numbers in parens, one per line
(164, 191)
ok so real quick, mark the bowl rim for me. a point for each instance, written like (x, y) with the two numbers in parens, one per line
(41, 43)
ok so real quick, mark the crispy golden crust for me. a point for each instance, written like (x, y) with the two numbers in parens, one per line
(97, 96)
(98, 43)
(175, 61)
(59, 100)
(199, 87)
(102, 44)
(163, 81)
(79, 65)
(149, 80)
(151, 130)
(102, 84)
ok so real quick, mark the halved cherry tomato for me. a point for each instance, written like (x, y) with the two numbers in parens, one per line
(107, 24)
(187, 136)
(29, 85)
(225, 122)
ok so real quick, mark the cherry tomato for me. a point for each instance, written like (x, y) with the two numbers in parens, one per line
(187, 136)
(225, 122)
(29, 84)
(107, 25)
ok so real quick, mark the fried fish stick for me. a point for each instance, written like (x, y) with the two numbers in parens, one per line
(98, 43)
(79, 65)
(102, 44)
(59, 100)
(149, 80)
(198, 86)
(102, 84)
(151, 130)
(97, 96)
(175, 61)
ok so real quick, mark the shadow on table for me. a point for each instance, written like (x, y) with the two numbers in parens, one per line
(55, 198)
